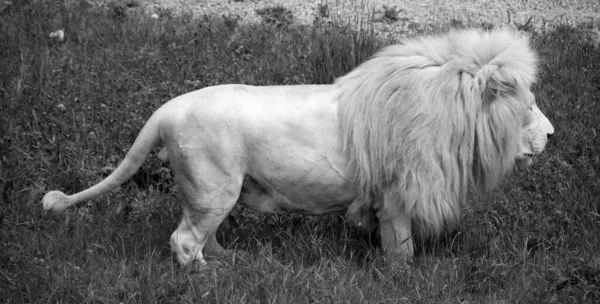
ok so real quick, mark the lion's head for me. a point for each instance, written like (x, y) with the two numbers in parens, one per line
(534, 135)
(427, 118)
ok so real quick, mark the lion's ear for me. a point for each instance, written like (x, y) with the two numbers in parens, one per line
(494, 83)
(494, 90)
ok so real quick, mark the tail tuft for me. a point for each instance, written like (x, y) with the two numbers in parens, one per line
(55, 202)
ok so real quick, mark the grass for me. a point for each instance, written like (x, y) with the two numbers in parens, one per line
(70, 109)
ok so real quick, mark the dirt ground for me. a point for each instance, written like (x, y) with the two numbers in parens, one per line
(539, 13)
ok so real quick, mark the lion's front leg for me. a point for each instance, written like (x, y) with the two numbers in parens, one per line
(395, 230)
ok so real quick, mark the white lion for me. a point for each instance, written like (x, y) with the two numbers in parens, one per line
(399, 138)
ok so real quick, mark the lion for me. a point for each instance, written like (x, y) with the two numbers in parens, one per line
(400, 139)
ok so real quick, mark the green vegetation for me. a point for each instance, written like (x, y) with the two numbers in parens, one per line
(70, 109)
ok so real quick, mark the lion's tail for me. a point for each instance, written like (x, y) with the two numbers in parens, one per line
(55, 202)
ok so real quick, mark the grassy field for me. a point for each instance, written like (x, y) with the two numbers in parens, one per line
(70, 110)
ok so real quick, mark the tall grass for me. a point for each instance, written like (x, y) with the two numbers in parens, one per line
(71, 109)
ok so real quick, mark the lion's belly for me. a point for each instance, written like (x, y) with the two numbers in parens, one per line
(296, 195)
(297, 177)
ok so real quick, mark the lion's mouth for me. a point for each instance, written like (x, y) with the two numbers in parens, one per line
(525, 160)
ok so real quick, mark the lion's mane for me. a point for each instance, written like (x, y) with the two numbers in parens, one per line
(423, 120)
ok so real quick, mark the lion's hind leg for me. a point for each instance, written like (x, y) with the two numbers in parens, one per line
(194, 234)
(208, 199)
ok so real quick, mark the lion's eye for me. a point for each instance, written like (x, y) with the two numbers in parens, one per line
(528, 117)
